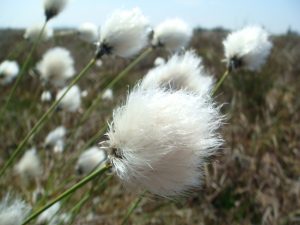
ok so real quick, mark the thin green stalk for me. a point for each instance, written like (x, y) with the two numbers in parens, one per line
(112, 83)
(132, 208)
(43, 119)
(81, 203)
(67, 192)
(220, 82)
(23, 69)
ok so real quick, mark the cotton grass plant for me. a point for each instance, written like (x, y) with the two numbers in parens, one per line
(160, 139)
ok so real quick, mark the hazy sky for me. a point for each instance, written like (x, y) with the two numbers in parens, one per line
(275, 15)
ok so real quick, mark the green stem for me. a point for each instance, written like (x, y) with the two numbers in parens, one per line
(46, 116)
(22, 72)
(81, 203)
(67, 192)
(132, 208)
(220, 82)
(112, 83)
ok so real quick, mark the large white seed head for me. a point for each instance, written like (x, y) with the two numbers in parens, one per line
(159, 140)
(56, 66)
(247, 48)
(56, 139)
(89, 160)
(88, 32)
(13, 211)
(53, 7)
(124, 33)
(182, 71)
(29, 167)
(71, 102)
(8, 71)
(172, 34)
(32, 33)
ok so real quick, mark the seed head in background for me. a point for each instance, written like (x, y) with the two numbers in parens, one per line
(8, 71)
(71, 102)
(181, 71)
(46, 96)
(29, 167)
(172, 34)
(124, 33)
(88, 32)
(56, 66)
(89, 160)
(159, 140)
(247, 48)
(32, 33)
(56, 139)
(108, 95)
(53, 7)
(13, 211)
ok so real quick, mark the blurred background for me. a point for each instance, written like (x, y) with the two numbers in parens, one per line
(276, 15)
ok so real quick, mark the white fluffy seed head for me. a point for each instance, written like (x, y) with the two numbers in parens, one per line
(29, 167)
(32, 33)
(49, 214)
(182, 71)
(56, 66)
(173, 34)
(124, 33)
(108, 95)
(54, 7)
(8, 71)
(55, 139)
(89, 160)
(46, 96)
(88, 32)
(248, 48)
(71, 102)
(159, 140)
(13, 211)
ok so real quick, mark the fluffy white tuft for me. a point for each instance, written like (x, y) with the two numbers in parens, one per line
(72, 100)
(46, 96)
(88, 32)
(180, 72)
(248, 48)
(108, 95)
(173, 34)
(56, 139)
(13, 211)
(56, 66)
(159, 140)
(89, 160)
(54, 7)
(32, 33)
(29, 167)
(125, 32)
(8, 71)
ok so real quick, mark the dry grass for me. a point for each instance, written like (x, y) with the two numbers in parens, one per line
(256, 179)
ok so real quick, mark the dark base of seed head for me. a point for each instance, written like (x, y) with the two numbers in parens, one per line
(50, 14)
(234, 63)
(103, 49)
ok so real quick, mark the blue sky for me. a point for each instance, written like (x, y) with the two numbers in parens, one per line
(275, 15)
